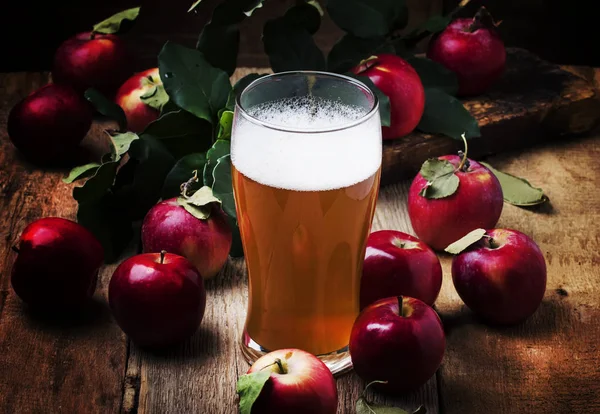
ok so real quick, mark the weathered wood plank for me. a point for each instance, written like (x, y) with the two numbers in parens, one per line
(550, 363)
(48, 365)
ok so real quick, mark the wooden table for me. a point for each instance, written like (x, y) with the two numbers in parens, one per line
(84, 364)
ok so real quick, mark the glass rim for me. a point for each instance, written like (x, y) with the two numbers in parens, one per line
(373, 110)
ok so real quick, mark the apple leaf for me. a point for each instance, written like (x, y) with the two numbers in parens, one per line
(518, 191)
(350, 50)
(222, 185)
(290, 45)
(444, 114)
(434, 75)
(366, 18)
(121, 144)
(180, 174)
(237, 250)
(363, 407)
(384, 101)
(441, 180)
(82, 171)
(220, 38)
(219, 149)
(98, 185)
(203, 197)
(225, 124)
(464, 242)
(307, 15)
(197, 203)
(249, 387)
(194, 5)
(181, 132)
(156, 97)
(105, 220)
(191, 82)
(433, 24)
(117, 22)
(106, 107)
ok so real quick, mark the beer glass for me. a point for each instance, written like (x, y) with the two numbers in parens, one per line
(306, 160)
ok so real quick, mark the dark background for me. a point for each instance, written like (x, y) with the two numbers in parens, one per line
(560, 31)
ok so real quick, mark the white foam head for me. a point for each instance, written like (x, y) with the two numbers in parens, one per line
(309, 149)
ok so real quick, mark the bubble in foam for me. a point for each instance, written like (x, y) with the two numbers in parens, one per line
(308, 156)
(307, 112)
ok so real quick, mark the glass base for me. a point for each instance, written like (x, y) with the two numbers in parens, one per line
(338, 362)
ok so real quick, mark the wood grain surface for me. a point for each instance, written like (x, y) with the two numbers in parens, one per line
(84, 364)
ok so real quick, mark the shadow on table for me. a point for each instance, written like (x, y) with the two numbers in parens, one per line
(545, 322)
(87, 318)
(203, 345)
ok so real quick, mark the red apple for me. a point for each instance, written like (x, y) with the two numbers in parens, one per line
(92, 60)
(138, 113)
(158, 299)
(205, 243)
(502, 277)
(300, 383)
(398, 340)
(397, 264)
(473, 49)
(48, 125)
(400, 82)
(477, 203)
(57, 264)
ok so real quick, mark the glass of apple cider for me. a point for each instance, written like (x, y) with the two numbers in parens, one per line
(306, 154)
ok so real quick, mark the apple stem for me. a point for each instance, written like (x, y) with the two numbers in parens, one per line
(92, 35)
(491, 242)
(401, 306)
(162, 256)
(483, 19)
(464, 162)
(15, 249)
(282, 370)
(184, 187)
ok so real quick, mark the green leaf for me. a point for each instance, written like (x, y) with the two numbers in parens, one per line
(363, 407)
(194, 5)
(222, 185)
(350, 50)
(433, 24)
(518, 191)
(105, 219)
(181, 133)
(191, 82)
(249, 387)
(441, 180)
(434, 168)
(225, 124)
(366, 18)
(257, 4)
(106, 107)
(97, 186)
(151, 162)
(464, 242)
(444, 114)
(156, 97)
(80, 172)
(219, 149)
(237, 250)
(181, 173)
(384, 101)
(307, 15)
(113, 24)
(202, 197)
(121, 144)
(239, 87)
(220, 39)
(291, 46)
(434, 75)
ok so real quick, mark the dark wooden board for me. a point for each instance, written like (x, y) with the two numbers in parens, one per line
(534, 102)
